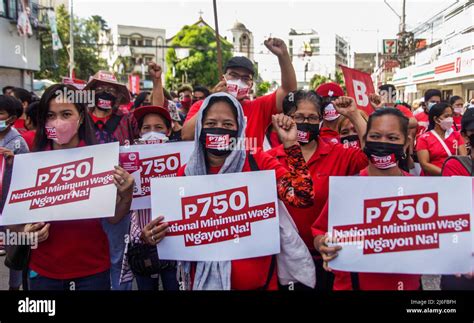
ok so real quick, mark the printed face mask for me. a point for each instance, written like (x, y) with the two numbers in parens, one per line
(351, 141)
(237, 88)
(105, 101)
(217, 141)
(153, 137)
(330, 113)
(383, 155)
(61, 131)
(307, 132)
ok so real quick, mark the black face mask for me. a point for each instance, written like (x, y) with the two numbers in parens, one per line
(384, 155)
(307, 132)
(351, 140)
(209, 139)
(105, 101)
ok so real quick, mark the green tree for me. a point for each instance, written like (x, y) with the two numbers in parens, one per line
(317, 80)
(55, 64)
(263, 88)
(201, 64)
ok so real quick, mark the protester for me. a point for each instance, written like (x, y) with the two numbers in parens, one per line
(110, 125)
(31, 123)
(440, 141)
(71, 254)
(11, 143)
(348, 133)
(329, 92)
(387, 134)
(431, 98)
(155, 127)
(200, 93)
(25, 98)
(457, 103)
(185, 94)
(222, 114)
(461, 166)
(238, 79)
(323, 160)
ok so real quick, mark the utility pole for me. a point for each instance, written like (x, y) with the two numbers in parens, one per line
(218, 39)
(71, 40)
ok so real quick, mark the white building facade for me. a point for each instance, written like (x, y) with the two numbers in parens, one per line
(447, 62)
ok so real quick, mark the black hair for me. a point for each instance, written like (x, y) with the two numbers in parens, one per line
(10, 105)
(203, 89)
(387, 87)
(140, 99)
(454, 98)
(431, 93)
(7, 88)
(22, 95)
(291, 100)
(86, 130)
(185, 88)
(32, 113)
(140, 121)
(217, 99)
(435, 111)
(389, 112)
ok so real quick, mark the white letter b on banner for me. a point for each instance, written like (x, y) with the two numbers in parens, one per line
(360, 91)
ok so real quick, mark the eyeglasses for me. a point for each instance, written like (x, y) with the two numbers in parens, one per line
(236, 76)
(313, 119)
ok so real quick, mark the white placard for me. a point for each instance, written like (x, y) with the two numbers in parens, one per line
(412, 225)
(156, 160)
(218, 217)
(66, 184)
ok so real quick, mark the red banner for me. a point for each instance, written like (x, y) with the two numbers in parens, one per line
(358, 86)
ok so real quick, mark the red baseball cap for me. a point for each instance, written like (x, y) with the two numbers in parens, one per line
(141, 112)
(330, 89)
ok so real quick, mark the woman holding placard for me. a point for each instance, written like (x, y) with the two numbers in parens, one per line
(72, 255)
(386, 141)
(221, 116)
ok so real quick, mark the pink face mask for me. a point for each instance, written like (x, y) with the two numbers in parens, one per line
(61, 131)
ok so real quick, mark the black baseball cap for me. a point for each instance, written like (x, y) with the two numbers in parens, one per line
(467, 121)
(242, 62)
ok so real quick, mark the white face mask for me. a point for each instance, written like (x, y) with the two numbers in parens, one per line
(153, 137)
(237, 88)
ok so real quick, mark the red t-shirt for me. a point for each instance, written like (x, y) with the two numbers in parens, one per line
(453, 167)
(252, 273)
(329, 135)
(423, 123)
(29, 137)
(258, 113)
(73, 249)
(327, 160)
(19, 125)
(367, 281)
(457, 123)
(428, 141)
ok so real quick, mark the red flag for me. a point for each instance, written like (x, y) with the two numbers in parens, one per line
(358, 86)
